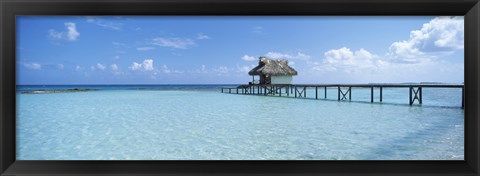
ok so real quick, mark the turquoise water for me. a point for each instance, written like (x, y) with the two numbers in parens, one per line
(200, 123)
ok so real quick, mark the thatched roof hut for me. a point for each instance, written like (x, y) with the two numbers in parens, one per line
(273, 71)
(272, 68)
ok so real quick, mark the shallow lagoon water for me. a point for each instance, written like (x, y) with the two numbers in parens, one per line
(189, 124)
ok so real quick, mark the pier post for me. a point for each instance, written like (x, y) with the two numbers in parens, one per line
(222, 89)
(280, 94)
(420, 100)
(237, 90)
(338, 93)
(381, 94)
(305, 92)
(316, 92)
(325, 92)
(410, 96)
(287, 90)
(229, 90)
(350, 93)
(371, 94)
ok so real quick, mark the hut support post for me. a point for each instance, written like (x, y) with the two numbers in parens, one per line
(316, 92)
(222, 89)
(280, 92)
(237, 90)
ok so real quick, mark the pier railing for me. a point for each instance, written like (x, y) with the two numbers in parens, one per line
(344, 91)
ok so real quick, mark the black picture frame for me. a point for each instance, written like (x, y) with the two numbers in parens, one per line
(470, 9)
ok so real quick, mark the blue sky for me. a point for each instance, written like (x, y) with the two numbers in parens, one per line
(217, 50)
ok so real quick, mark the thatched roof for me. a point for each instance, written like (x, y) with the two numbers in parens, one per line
(272, 67)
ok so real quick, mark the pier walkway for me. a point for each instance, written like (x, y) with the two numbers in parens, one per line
(344, 91)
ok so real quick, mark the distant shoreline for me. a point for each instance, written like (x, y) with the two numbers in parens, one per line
(56, 91)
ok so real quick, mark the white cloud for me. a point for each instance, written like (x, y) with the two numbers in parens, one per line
(136, 66)
(276, 55)
(101, 66)
(203, 69)
(221, 69)
(78, 68)
(362, 66)
(245, 69)
(202, 37)
(116, 70)
(70, 35)
(60, 66)
(114, 67)
(147, 65)
(440, 36)
(248, 58)
(173, 42)
(145, 48)
(345, 60)
(33, 66)
(165, 69)
(105, 24)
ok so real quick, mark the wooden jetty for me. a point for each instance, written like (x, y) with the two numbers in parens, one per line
(344, 91)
